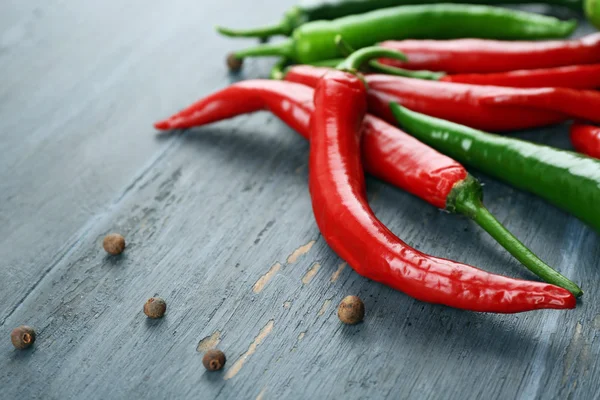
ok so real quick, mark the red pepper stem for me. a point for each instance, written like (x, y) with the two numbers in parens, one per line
(285, 27)
(281, 49)
(466, 198)
(359, 57)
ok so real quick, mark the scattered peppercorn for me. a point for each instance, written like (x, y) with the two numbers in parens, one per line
(114, 244)
(22, 337)
(233, 63)
(155, 307)
(214, 360)
(351, 310)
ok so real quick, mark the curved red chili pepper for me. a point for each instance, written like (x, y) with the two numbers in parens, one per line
(586, 139)
(484, 56)
(293, 105)
(574, 76)
(337, 188)
(388, 153)
(459, 103)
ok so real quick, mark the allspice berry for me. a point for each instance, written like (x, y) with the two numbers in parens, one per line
(351, 310)
(155, 307)
(233, 63)
(114, 244)
(22, 337)
(214, 360)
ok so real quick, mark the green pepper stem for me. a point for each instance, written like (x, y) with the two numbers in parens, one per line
(422, 74)
(265, 32)
(465, 198)
(278, 70)
(592, 12)
(359, 57)
(344, 46)
(327, 63)
(375, 65)
(291, 20)
(281, 49)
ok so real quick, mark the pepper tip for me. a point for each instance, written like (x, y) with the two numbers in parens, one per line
(224, 31)
(162, 125)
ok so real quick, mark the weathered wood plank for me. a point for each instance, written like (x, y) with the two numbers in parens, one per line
(219, 223)
(82, 85)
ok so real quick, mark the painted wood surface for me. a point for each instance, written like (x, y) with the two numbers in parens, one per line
(218, 222)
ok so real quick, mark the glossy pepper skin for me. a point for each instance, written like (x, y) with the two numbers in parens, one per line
(464, 56)
(566, 179)
(387, 152)
(574, 77)
(457, 102)
(312, 10)
(583, 104)
(292, 103)
(586, 139)
(338, 193)
(315, 41)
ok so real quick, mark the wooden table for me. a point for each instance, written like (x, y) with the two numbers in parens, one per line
(218, 222)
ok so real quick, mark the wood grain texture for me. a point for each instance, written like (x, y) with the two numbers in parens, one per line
(208, 214)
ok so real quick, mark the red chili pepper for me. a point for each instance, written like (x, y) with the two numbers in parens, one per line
(452, 101)
(575, 77)
(492, 108)
(484, 56)
(338, 192)
(292, 104)
(388, 152)
(584, 104)
(586, 139)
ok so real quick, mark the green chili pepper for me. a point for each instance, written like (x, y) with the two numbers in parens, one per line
(566, 179)
(315, 41)
(331, 9)
(592, 11)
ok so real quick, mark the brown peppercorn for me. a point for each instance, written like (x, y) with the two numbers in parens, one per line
(22, 337)
(351, 310)
(214, 360)
(155, 307)
(114, 244)
(233, 63)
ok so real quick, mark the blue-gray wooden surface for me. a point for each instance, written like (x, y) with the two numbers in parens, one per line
(218, 222)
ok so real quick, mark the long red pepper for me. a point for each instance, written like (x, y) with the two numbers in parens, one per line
(586, 139)
(492, 108)
(574, 76)
(388, 153)
(338, 192)
(584, 104)
(444, 100)
(484, 56)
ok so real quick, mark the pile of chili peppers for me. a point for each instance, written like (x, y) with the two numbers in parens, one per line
(446, 73)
